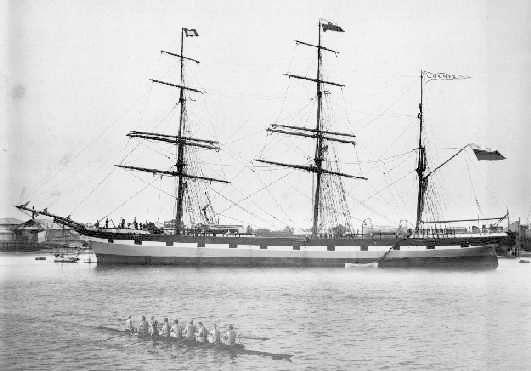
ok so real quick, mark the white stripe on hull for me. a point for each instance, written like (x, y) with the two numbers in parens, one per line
(182, 250)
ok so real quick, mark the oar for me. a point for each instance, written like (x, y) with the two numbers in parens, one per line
(253, 337)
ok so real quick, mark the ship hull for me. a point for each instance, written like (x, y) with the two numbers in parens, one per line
(183, 255)
(478, 257)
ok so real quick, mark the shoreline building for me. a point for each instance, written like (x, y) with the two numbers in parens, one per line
(16, 235)
(34, 234)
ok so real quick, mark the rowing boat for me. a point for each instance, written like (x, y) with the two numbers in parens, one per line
(233, 350)
(191, 342)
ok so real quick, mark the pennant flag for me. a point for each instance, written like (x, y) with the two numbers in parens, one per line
(190, 32)
(443, 76)
(487, 155)
(329, 26)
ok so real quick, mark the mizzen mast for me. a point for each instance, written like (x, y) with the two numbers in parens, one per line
(316, 133)
(180, 140)
(421, 163)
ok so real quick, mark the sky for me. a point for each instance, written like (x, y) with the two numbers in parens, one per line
(75, 77)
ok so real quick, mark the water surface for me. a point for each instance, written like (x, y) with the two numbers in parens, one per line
(363, 318)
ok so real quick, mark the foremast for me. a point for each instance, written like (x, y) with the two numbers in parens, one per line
(180, 140)
(318, 133)
(319, 140)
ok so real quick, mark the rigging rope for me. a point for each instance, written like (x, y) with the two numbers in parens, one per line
(153, 185)
(62, 167)
(374, 211)
(472, 185)
(395, 102)
(388, 185)
(135, 146)
(279, 205)
(236, 203)
(126, 201)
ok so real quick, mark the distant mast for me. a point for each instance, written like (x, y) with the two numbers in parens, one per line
(318, 133)
(180, 140)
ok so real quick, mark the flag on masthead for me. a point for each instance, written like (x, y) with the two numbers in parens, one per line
(443, 76)
(329, 26)
(488, 155)
(190, 32)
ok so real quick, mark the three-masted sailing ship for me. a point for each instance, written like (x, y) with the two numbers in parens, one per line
(210, 247)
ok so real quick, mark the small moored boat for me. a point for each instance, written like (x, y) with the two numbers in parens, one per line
(66, 259)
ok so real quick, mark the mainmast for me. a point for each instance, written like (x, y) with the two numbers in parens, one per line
(180, 148)
(318, 133)
(180, 140)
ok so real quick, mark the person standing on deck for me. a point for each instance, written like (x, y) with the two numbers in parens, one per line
(165, 331)
(153, 327)
(214, 336)
(176, 331)
(143, 327)
(200, 335)
(230, 336)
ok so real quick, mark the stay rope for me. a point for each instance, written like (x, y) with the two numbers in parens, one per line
(62, 167)
(113, 169)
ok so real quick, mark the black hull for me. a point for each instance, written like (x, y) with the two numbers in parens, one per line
(464, 258)
(465, 262)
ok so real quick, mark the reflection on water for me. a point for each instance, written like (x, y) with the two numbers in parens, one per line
(51, 316)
